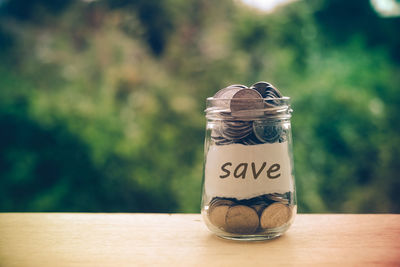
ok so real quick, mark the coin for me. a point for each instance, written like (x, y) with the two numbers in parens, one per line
(217, 216)
(218, 207)
(220, 201)
(266, 90)
(238, 86)
(282, 198)
(251, 139)
(241, 219)
(268, 133)
(223, 98)
(275, 215)
(235, 130)
(224, 142)
(227, 92)
(246, 99)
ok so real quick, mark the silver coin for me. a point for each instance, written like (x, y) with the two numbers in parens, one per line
(246, 100)
(217, 201)
(268, 92)
(224, 142)
(239, 86)
(268, 133)
(227, 92)
(223, 99)
(235, 130)
(251, 139)
(282, 198)
(266, 89)
(246, 126)
(279, 199)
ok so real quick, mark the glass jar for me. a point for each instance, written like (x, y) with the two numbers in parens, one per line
(248, 182)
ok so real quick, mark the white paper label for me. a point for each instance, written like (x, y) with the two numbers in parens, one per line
(245, 171)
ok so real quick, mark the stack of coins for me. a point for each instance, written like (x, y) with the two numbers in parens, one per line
(251, 216)
(239, 100)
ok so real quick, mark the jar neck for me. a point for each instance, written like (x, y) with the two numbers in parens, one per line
(275, 109)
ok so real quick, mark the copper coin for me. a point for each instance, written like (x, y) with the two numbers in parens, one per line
(241, 219)
(275, 215)
(217, 216)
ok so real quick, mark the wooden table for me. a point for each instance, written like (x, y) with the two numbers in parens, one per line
(81, 239)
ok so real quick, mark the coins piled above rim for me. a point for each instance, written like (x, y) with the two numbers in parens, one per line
(236, 99)
(251, 216)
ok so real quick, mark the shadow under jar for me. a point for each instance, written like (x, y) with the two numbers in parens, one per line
(248, 183)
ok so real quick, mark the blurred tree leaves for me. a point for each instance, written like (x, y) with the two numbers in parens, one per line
(101, 103)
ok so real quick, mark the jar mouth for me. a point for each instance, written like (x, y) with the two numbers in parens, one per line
(248, 108)
(284, 98)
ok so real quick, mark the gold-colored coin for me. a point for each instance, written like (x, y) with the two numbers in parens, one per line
(275, 215)
(241, 219)
(217, 216)
(217, 210)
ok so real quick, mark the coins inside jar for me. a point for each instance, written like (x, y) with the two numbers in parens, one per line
(251, 216)
(237, 102)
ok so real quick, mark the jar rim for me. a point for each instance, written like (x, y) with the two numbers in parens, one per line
(287, 98)
(264, 108)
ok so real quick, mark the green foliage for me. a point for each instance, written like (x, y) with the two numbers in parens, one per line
(101, 103)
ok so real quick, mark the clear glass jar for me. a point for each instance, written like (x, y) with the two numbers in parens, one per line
(248, 182)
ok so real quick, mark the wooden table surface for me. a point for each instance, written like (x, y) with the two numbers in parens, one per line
(82, 239)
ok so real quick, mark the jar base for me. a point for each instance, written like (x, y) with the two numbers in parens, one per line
(268, 236)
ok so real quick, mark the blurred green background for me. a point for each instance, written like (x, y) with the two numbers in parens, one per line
(101, 102)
